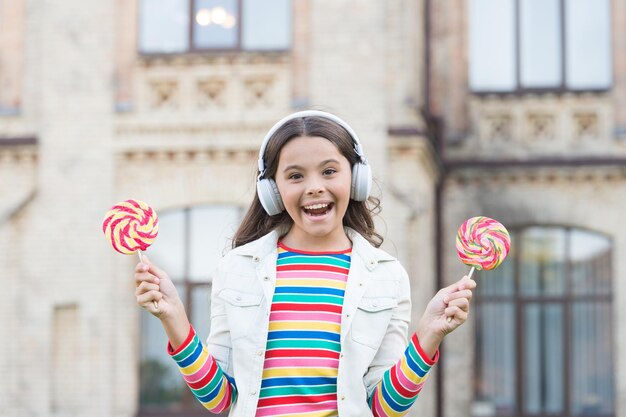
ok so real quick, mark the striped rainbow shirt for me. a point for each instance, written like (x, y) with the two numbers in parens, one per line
(302, 355)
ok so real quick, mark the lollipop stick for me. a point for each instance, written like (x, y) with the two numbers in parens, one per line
(468, 276)
(471, 272)
(156, 306)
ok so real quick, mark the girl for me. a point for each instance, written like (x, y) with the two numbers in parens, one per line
(308, 316)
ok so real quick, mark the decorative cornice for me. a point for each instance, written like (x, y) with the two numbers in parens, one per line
(18, 141)
(243, 155)
(405, 131)
(177, 128)
(213, 58)
(538, 175)
(18, 150)
(483, 164)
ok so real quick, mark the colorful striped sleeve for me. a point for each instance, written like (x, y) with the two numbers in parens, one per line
(215, 390)
(402, 383)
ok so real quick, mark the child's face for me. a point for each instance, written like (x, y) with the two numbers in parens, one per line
(314, 179)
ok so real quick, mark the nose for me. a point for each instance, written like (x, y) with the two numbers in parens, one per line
(314, 187)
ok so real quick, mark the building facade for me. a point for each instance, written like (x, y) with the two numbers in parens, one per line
(529, 103)
(168, 100)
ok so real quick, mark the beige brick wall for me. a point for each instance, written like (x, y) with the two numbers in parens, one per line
(67, 102)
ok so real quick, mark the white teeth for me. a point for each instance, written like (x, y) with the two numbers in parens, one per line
(316, 206)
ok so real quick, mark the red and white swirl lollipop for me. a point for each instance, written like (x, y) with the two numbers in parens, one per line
(482, 243)
(131, 226)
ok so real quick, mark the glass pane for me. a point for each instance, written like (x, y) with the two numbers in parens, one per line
(543, 261)
(492, 45)
(588, 43)
(540, 43)
(543, 358)
(592, 359)
(201, 313)
(212, 228)
(590, 263)
(161, 386)
(215, 24)
(500, 281)
(168, 250)
(495, 382)
(164, 26)
(267, 24)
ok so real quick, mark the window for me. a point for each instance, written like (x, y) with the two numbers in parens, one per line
(189, 245)
(534, 45)
(177, 26)
(544, 339)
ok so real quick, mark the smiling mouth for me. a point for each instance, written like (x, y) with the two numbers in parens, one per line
(318, 209)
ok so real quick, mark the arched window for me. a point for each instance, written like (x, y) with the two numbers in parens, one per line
(544, 339)
(190, 243)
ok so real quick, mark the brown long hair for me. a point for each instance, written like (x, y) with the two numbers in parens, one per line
(359, 215)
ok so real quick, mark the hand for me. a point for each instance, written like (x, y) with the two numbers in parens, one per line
(155, 290)
(450, 302)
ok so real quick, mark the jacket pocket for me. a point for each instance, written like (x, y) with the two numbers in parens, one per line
(242, 310)
(371, 320)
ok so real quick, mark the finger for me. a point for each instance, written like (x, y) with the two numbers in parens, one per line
(145, 277)
(462, 284)
(467, 283)
(458, 294)
(141, 267)
(145, 287)
(153, 268)
(145, 300)
(454, 286)
(462, 303)
(456, 313)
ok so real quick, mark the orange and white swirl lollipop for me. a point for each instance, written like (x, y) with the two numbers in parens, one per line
(482, 243)
(131, 226)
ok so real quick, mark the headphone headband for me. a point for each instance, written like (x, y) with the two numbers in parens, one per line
(309, 113)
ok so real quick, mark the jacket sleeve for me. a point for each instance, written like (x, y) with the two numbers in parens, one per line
(219, 342)
(398, 372)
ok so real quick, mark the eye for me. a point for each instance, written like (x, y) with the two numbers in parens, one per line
(329, 171)
(294, 176)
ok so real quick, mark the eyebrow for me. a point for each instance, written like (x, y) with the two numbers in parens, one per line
(327, 161)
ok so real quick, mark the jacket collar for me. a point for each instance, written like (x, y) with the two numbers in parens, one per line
(266, 244)
(260, 247)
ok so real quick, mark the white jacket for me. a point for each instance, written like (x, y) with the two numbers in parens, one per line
(374, 324)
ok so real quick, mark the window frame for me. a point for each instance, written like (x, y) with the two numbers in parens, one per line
(562, 88)
(519, 302)
(192, 49)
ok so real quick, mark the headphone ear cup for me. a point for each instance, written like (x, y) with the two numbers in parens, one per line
(267, 190)
(361, 182)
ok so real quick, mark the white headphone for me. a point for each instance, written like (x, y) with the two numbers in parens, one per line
(361, 172)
